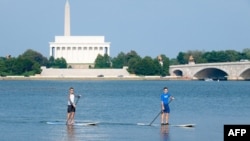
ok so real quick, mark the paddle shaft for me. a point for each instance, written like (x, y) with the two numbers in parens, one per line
(155, 118)
(157, 115)
(78, 97)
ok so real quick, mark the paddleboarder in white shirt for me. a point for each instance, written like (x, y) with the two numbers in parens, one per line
(71, 107)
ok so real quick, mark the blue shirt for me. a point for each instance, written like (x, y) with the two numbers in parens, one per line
(165, 97)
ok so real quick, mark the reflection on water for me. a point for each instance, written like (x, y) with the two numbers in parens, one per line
(71, 133)
(165, 133)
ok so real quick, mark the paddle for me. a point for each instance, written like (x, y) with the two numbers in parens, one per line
(157, 115)
(78, 97)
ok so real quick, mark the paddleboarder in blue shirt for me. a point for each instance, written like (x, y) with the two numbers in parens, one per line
(165, 100)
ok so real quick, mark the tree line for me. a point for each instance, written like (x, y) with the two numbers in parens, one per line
(135, 63)
(160, 64)
(212, 56)
(30, 62)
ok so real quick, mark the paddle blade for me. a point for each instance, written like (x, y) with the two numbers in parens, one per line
(142, 124)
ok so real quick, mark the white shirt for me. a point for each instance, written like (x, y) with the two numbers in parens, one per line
(72, 98)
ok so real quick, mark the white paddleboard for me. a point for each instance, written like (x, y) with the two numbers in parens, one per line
(180, 125)
(77, 124)
(184, 125)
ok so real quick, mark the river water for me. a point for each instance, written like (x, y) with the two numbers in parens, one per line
(117, 106)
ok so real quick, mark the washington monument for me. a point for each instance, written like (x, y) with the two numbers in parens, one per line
(78, 51)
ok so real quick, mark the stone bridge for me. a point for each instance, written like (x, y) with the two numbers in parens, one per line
(215, 71)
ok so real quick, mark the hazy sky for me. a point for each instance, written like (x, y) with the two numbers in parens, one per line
(150, 27)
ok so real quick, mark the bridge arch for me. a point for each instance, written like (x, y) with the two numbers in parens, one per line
(178, 72)
(212, 73)
(245, 74)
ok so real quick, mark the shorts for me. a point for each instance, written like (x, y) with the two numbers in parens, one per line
(166, 109)
(71, 108)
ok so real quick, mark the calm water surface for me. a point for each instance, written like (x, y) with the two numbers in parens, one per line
(118, 106)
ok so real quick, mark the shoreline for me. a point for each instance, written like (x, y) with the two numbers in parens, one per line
(91, 78)
(158, 78)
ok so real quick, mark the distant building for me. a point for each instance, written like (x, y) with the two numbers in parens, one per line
(79, 51)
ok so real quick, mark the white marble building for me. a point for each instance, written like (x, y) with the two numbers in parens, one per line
(79, 51)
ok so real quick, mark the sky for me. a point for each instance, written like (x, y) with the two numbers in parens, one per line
(149, 27)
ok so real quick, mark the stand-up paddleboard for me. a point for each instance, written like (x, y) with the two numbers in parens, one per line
(145, 124)
(184, 125)
(178, 125)
(76, 123)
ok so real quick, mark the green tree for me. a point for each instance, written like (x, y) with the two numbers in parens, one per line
(165, 67)
(51, 62)
(119, 61)
(2, 67)
(133, 64)
(173, 61)
(232, 56)
(130, 55)
(36, 69)
(197, 55)
(181, 58)
(28, 63)
(214, 56)
(9, 66)
(146, 67)
(56, 63)
(131, 60)
(246, 53)
(22, 65)
(60, 63)
(102, 61)
(35, 56)
(158, 66)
